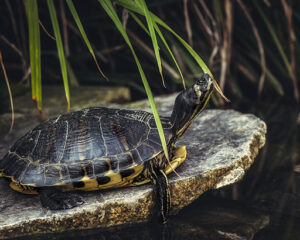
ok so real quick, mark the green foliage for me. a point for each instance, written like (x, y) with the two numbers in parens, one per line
(106, 4)
(35, 51)
(60, 49)
(150, 22)
(275, 39)
(221, 32)
(163, 40)
(131, 6)
(83, 34)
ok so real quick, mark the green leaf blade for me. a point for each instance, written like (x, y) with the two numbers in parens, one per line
(205, 69)
(150, 24)
(107, 5)
(275, 38)
(60, 49)
(133, 7)
(34, 51)
(138, 21)
(83, 34)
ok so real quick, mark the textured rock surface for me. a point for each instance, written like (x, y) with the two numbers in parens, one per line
(214, 219)
(221, 146)
(54, 103)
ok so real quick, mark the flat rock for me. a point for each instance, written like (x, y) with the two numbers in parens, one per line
(207, 218)
(83, 96)
(54, 103)
(221, 146)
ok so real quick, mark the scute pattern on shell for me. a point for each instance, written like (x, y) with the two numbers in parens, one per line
(89, 142)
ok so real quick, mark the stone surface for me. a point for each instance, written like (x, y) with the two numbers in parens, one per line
(83, 96)
(221, 146)
(54, 103)
(216, 219)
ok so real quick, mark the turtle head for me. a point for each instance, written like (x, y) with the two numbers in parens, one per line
(189, 103)
(203, 88)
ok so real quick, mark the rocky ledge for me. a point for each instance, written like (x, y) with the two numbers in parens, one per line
(221, 146)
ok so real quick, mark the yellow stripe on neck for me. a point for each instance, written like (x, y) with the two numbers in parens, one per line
(193, 116)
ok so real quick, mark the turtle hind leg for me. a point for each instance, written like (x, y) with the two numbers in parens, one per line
(162, 191)
(54, 199)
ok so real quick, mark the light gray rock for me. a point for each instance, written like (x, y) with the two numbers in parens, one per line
(221, 146)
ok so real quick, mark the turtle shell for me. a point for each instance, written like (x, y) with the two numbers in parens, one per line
(91, 144)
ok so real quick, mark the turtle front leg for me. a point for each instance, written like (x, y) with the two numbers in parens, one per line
(162, 191)
(54, 199)
(178, 157)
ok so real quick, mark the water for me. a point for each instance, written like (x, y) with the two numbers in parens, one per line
(273, 183)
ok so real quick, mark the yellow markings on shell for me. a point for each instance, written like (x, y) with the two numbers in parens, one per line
(61, 180)
(22, 188)
(26, 189)
(131, 156)
(123, 139)
(116, 181)
(60, 174)
(115, 178)
(126, 181)
(90, 184)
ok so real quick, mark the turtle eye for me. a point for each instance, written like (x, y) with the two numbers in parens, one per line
(203, 80)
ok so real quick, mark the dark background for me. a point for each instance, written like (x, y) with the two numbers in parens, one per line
(272, 186)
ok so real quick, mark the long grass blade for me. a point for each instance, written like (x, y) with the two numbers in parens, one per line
(275, 39)
(34, 51)
(45, 30)
(288, 11)
(138, 21)
(10, 95)
(60, 49)
(194, 55)
(273, 81)
(84, 36)
(274, 36)
(168, 69)
(133, 7)
(187, 59)
(107, 6)
(149, 20)
(260, 46)
(129, 5)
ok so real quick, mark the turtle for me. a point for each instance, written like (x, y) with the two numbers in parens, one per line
(99, 148)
